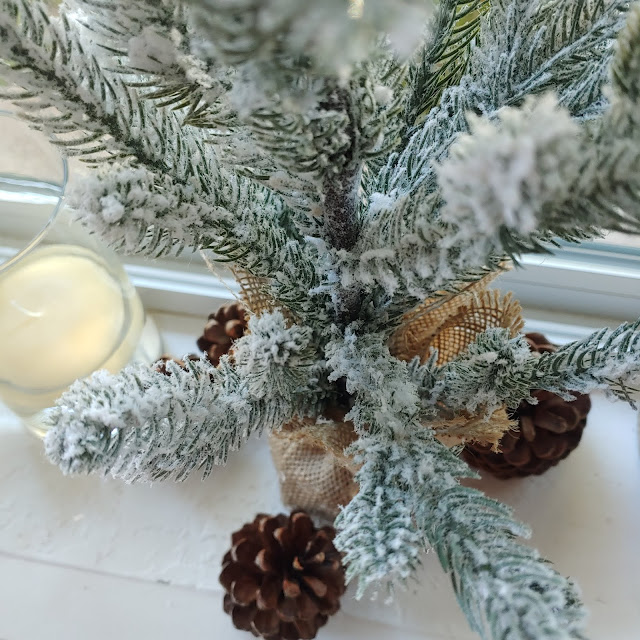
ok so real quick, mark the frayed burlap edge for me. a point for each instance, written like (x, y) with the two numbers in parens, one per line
(451, 323)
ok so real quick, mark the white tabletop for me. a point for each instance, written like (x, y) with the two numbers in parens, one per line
(92, 559)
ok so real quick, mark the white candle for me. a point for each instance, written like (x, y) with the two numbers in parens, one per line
(62, 316)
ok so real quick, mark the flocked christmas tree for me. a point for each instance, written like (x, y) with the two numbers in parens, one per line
(359, 158)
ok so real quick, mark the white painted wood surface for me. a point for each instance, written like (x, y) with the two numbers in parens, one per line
(93, 559)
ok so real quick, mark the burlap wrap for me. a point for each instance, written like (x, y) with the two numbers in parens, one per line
(315, 474)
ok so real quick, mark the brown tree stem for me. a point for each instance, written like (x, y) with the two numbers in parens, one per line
(340, 208)
(340, 204)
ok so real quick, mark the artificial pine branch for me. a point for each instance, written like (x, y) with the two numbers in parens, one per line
(496, 370)
(141, 424)
(530, 47)
(508, 63)
(538, 148)
(147, 47)
(137, 211)
(47, 62)
(149, 44)
(179, 196)
(607, 359)
(331, 36)
(377, 530)
(442, 61)
(410, 498)
(67, 93)
(387, 399)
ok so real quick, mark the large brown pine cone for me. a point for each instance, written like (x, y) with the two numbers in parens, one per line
(224, 326)
(283, 577)
(548, 431)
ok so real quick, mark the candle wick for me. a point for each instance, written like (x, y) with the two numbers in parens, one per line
(31, 314)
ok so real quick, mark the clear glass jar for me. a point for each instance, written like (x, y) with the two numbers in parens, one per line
(67, 307)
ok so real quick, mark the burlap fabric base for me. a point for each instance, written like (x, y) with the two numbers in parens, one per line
(314, 472)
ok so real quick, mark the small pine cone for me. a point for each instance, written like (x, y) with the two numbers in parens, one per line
(283, 577)
(548, 431)
(161, 365)
(224, 326)
(539, 343)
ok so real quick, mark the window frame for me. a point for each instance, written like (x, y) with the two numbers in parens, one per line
(588, 284)
(591, 279)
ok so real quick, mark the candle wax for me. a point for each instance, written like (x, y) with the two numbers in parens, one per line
(62, 316)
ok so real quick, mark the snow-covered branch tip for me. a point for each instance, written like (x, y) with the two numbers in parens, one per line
(263, 30)
(137, 211)
(275, 358)
(497, 370)
(144, 425)
(385, 398)
(507, 174)
(410, 498)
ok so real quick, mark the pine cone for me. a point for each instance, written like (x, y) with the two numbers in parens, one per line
(227, 324)
(548, 431)
(161, 365)
(283, 577)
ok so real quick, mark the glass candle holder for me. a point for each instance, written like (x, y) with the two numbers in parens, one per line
(67, 307)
